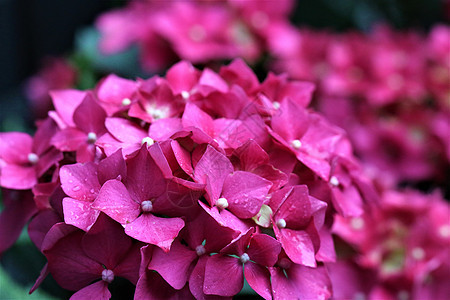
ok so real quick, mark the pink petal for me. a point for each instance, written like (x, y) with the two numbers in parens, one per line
(15, 147)
(311, 283)
(69, 139)
(44, 273)
(211, 79)
(68, 264)
(80, 181)
(264, 249)
(154, 230)
(223, 276)
(258, 277)
(111, 167)
(19, 207)
(183, 157)
(163, 129)
(215, 167)
(90, 116)
(182, 76)
(226, 219)
(65, 102)
(245, 193)
(17, 177)
(298, 246)
(292, 121)
(41, 224)
(195, 117)
(152, 286)
(140, 168)
(125, 130)
(106, 242)
(251, 155)
(96, 291)
(179, 258)
(114, 89)
(115, 201)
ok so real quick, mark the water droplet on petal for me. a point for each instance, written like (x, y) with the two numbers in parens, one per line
(76, 188)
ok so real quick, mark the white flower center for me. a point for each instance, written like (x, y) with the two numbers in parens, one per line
(33, 158)
(357, 223)
(222, 203)
(296, 144)
(197, 33)
(334, 181)
(276, 105)
(281, 223)
(444, 231)
(91, 137)
(107, 275)
(185, 95)
(244, 258)
(147, 140)
(126, 101)
(200, 250)
(418, 253)
(147, 206)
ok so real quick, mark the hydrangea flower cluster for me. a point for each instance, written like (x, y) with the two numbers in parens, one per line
(198, 31)
(386, 88)
(183, 185)
(402, 247)
(390, 88)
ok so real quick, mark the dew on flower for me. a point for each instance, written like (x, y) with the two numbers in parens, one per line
(33, 158)
(107, 275)
(76, 188)
(91, 137)
(276, 105)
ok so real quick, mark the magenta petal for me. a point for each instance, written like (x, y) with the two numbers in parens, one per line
(106, 242)
(194, 116)
(17, 177)
(292, 121)
(311, 283)
(130, 264)
(215, 167)
(96, 291)
(68, 264)
(183, 157)
(15, 147)
(125, 130)
(41, 224)
(80, 181)
(258, 277)
(179, 258)
(298, 246)
(245, 193)
(182, 76)
(114, 89)
(152, 286)
(197, 279)
(115, 201)
(112, 167)
(264, 249)
(282, 287)
(40, 279)
(69, 139)
(139, 169)
(90, 116)
(226, 218)
(16, 213)
(154, 230)
(223, 276)
(57, 232)
(163, 129)
(65, 102)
